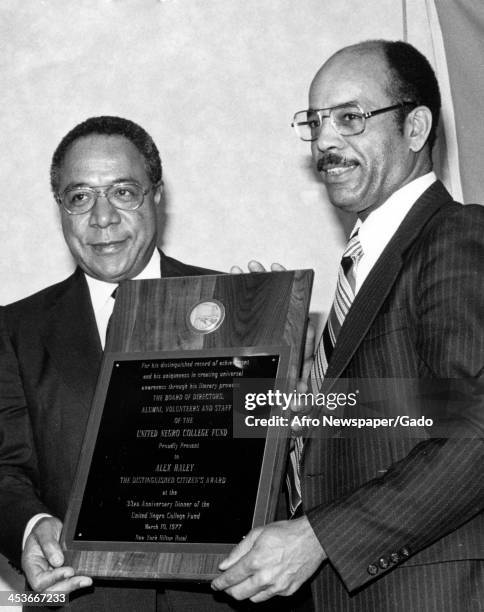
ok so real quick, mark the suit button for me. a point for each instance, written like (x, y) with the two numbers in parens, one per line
(372, 569)
(383, 562)
(404, 552)
(394, 557)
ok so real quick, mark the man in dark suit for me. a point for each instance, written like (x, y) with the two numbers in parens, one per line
(106, 177)
(390, 520)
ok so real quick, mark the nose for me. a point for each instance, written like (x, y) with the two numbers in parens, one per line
(103, 213)
(328, 137)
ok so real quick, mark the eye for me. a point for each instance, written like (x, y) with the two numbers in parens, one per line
(125, 192)
(77, 198)
(313, 121)
(348, 116)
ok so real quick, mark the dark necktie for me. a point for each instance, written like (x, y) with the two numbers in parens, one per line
(113, 295)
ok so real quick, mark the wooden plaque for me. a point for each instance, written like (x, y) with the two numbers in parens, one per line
(163, 489)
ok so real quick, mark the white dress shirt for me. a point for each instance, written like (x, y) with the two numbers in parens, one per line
(101, 294)
(103, 304)
(376, 231)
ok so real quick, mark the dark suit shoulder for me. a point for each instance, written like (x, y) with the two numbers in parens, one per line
(454, 214)
(451, 241)
(173, 267)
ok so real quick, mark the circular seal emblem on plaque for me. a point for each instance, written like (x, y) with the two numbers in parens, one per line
(206, 317)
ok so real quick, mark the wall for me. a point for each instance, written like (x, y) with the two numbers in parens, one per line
(216, 83)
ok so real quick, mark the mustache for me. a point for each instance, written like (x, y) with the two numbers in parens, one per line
(332, 159)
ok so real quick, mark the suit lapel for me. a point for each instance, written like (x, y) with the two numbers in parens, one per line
(170, 267)
(70, 332)
(379, 282)
(71, 337)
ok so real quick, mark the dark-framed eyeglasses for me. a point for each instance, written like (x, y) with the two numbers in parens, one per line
(347, 119)
(124, 196)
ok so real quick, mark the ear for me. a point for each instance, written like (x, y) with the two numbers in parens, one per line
(158, 193)
(417, 127)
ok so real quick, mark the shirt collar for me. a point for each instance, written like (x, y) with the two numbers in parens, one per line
(101, 291)
(380, 225)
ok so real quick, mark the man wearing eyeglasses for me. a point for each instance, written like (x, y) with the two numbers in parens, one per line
(382, 520)
(106, 177)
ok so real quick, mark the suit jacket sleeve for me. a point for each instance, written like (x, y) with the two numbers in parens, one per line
(439, 485)
(18, 475)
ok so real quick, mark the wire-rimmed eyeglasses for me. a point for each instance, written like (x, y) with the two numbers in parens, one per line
(347, 119)
(124, 196)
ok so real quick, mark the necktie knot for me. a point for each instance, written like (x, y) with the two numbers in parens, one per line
(354, 250)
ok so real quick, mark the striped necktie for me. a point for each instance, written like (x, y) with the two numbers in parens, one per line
(344, 296)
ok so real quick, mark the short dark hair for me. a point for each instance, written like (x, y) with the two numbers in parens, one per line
(412, 78)
(109, 126)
